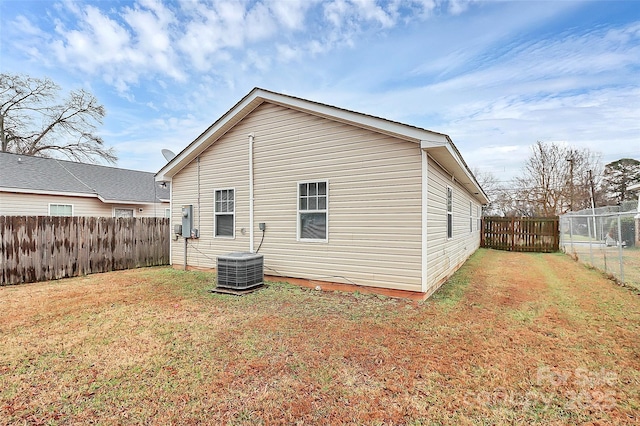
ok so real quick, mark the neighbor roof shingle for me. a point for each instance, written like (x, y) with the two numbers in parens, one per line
(52, 175)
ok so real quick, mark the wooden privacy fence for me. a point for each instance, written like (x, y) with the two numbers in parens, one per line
(40, 248)
(533, 234)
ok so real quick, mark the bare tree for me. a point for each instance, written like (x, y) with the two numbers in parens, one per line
(33, 122)
(491, 186)
(556, 179)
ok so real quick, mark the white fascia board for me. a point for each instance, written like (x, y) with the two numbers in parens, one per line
(217, 129)
(45, 192)
(258, 96)
(377, 124)
(477, 189)
(458, 169)
(107, 201)
(434, 142)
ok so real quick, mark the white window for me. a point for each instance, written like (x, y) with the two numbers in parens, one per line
(60, 210)
(167, 213)
(449, 212)
(224, 212)
(122, 212)
(313, 208)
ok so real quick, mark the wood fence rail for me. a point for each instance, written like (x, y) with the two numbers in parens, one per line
(40, 248)
(530, 234)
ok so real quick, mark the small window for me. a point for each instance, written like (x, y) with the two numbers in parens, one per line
(167, 213)
(224, 212)
(312, 210)
(122, 212)
(60, 210)
(449, 213)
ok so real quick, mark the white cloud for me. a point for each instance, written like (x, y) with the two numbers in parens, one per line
(486, 76)
(260, 24)
(456, 7)
(287, 53)
(100, 44)
(291, 14)
(152, 28)
(127, 45)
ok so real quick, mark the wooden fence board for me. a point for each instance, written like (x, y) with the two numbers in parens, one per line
(40, 248)
(526, 234)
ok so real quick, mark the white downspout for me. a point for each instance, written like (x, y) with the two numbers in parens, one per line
(251, 137)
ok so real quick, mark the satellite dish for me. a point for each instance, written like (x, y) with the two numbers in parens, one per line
(168, 154)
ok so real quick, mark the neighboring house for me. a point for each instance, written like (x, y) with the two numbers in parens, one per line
(344, 197)
(36, 186)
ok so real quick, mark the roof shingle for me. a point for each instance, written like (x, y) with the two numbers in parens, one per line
(60, 176)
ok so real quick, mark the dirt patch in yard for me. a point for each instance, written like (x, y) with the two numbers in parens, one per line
(511, 338)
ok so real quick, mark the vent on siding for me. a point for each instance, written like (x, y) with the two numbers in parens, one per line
(240, 271)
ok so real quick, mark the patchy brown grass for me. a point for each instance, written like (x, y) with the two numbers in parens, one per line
(511, 338)
(607, 260)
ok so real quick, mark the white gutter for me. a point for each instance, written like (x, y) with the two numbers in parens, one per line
(47, 192)
(251, 137)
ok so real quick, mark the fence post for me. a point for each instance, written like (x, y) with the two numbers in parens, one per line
(620, 256)
(591, 238)
(513, 233)
(571, 234)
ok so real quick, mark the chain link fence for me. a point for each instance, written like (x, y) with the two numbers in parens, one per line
(607, 238)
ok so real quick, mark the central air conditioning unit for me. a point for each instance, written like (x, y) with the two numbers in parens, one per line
(240, 271)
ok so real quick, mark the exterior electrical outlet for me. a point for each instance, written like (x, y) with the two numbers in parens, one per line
(187, 220)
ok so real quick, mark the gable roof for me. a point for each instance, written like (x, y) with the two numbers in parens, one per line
(27, 174)
(438, 145)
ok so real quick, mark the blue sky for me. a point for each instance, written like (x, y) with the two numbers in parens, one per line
(496, 76)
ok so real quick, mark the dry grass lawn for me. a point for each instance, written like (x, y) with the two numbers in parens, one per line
(607, 259)
(510, 339)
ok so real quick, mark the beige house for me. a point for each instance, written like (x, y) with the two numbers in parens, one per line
(343, 197)
(36, 186)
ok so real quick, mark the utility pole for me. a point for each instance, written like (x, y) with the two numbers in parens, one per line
(593, 205)
(571, 160)
(593, 191)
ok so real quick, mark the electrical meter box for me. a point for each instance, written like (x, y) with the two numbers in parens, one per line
(187, 220)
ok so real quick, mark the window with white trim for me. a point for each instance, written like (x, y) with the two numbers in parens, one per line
(224, 213)
(122, 212)
(167, 213)
(60, 210)
(313, 210)
(449, 212)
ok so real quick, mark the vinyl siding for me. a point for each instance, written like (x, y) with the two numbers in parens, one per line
(374, 216)
(445, 255)
(21, 204)
(223, 166)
